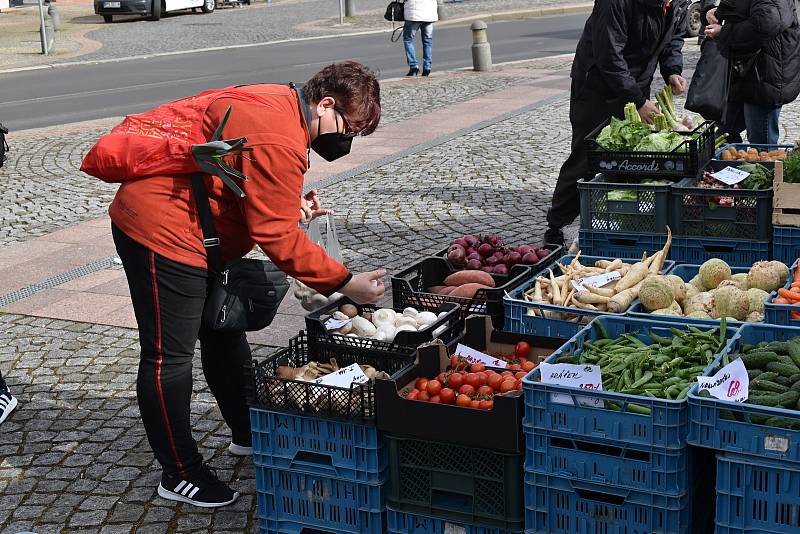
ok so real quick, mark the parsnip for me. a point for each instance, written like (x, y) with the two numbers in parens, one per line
(665, 250)
(655, 267)
(587, 297)
(555, 289)
(637, 273)
(620, 302)
(605, 292)
(613, 266)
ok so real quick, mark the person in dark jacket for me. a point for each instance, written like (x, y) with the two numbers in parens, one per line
(622, 44)
(761, 39)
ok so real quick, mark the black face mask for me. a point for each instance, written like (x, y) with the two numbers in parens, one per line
(332, 146)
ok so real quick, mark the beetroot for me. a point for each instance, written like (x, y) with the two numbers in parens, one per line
(471, 240)
(486, 250)
(524, 249)
(499, 255)
(500, 269)
(474, 264)
(530, 258)
(461, 242)
(513, 258)
(474, 256)
(456, 256)
(487, 269)
(542, 253)
(491, 261)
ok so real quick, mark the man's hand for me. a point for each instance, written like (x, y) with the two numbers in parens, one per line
(711, 16)
(647, 111)
(712, 31)
(311, 207)
(366, 288)
(678, 84)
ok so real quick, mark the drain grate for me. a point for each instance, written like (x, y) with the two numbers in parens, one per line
(57, 280)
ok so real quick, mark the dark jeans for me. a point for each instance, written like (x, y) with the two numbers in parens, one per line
(587, 109)
(761, 123)
(168, 300)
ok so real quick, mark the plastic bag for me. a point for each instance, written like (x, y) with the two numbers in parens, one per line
(310, 299)
(708, 92)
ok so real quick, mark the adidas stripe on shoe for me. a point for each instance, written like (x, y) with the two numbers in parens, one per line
(201, 488)
(7, 404)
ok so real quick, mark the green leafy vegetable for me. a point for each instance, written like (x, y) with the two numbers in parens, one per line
(660, 142)
(791, 168)
(622, 135)
(760, 177)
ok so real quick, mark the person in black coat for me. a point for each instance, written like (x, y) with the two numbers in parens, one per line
(761, 39)
(622, 44)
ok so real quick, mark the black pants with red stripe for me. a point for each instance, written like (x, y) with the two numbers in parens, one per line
(168, 299)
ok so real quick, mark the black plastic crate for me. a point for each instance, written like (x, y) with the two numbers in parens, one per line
(297, 396)
(409, 288)
(688, 159)
(456, 483)
(728, 213)
(447, 328)
(647, 212)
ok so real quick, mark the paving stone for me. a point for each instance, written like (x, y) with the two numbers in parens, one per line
(88, 519)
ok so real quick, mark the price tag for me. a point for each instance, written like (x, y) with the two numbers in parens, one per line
(576, 376)
(731, 383)
(336, 324)
(776, 443)
(599, 280)
(450, 528)
(344, 378)
(731, 175)
(475, 356)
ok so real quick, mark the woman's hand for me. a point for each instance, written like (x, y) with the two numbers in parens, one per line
(712, 31)
(365, 288)
(311, 207)
(711, 16)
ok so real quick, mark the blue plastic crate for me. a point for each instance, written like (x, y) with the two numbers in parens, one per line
(610, 463)
(685, 272)
(619, 244)
(289, 500)
(760, 497)
(404, 523)
(556, 505)
(518, 321)
(735, 252)
(666, 426)
(318, 446)
(728, 426)
(781, 314)
(786, 244)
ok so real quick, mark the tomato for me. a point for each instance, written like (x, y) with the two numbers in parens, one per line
(483, 377)
(436, 399)
(495, 381)
(515, 367)
(506, 374)
(412, 395)
(486, 404)
(518, 385)
(467, 389)
(455, 381)
(447, 395)
(508, 385)
(528, 366)
(520, 375)
(522, 350)
(441, 378)
(490, 372)
(463, 401)
(485, 390)
(477, 367)
(454, 361)
(434, 387)
(475, 404)
(473, 380)
(421, 383)
(424, 396)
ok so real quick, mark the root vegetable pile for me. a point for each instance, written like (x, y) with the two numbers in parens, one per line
(464, 284)
(491, 255)
(753, 154)
(665, 368)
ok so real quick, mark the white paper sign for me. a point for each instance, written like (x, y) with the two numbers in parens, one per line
(731, 175)
(451, 528)
(599, 280)
(344, 378)
(475, 356)
(731, 383)
(576, 376)
(336, 324)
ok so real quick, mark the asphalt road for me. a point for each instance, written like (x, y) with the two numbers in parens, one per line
(33, 99)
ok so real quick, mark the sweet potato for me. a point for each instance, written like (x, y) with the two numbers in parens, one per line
(469, 277)
(467, 290)
(436, 290)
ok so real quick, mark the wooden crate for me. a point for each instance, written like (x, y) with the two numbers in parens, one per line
(786, 201)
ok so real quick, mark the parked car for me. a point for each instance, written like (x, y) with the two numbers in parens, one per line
(693, 19)
(152, 9)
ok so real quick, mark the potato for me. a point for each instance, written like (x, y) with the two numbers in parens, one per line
(469, 277)
(468, 290)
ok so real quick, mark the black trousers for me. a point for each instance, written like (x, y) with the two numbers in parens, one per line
(587, 109)
(168, 300)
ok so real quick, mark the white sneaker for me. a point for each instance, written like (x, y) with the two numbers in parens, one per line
(7, 404)
(239, 450)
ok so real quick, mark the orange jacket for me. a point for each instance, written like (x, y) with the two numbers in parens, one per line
(158, 211)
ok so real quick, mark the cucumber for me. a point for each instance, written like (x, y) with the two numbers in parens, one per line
(782, 400)
(783, 422)
(752, 373)
(782, 368)
(794, 352)
(759, 360)
(782, 380)
(769, 375)
(766, 385)
(794, 378)
(781, 347)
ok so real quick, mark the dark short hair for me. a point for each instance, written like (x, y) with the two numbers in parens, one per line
(355, 89)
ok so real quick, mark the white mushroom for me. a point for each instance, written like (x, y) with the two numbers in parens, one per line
(405, 320)
(349, 310)
(426, 318)
(339, 316)
(380, 335)
(410, 312)
(405, 328)
(384, 316)
(363, 328)
(441, 314)
(387, 331)
(346, 329)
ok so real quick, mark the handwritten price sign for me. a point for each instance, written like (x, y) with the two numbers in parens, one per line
(576, 376)
(731, 383)
(475, 356)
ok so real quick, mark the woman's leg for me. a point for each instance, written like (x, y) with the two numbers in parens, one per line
(409, 31)
(427, 46)
(762, 124)
(168, 301)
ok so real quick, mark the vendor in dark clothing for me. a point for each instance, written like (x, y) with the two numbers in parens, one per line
(614, 63)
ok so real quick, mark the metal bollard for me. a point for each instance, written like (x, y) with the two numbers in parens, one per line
(441, 11)
(481, 49)
(349, 8)
(55, 16)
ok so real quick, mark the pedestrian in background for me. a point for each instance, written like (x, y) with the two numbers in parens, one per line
(761, 39)
(419, 16)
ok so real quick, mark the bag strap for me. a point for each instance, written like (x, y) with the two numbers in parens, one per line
(210, 239)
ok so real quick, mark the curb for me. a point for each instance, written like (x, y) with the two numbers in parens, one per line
(491, 17)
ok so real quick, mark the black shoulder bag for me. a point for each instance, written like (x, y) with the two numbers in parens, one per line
(395, 12)
(3, 144)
